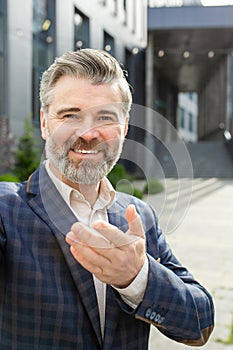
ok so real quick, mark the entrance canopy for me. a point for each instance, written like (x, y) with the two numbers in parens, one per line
(189, 42)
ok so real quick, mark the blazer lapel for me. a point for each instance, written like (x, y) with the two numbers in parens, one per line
(50, 206)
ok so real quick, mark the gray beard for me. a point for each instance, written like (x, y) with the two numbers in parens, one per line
(86, 172)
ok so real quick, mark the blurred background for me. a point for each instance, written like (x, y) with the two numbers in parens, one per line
(179, 58)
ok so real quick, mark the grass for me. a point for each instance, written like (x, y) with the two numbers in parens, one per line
(229, 341)
(230, 338)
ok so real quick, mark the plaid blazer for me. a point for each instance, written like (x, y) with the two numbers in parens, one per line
(48, 300)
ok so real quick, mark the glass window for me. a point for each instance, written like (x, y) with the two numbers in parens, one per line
(190, 94)
(81, 30)
(43, 45)
(125, 10)
(182, 118)
(115, 7)
(190, 121)
(109, 44)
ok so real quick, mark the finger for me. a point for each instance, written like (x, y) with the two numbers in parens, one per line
(111, 233)
(89, 259)
(82, 234)
(134, 221)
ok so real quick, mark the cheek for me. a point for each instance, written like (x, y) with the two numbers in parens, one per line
(114, 134)
(59, 133)
(115, 141)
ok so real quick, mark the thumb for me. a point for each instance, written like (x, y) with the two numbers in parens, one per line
(134, 221)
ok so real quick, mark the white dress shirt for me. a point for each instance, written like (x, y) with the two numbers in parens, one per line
(86, 214)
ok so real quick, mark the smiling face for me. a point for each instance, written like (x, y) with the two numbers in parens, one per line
(84, 129)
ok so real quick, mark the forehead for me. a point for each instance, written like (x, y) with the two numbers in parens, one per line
(83, 93)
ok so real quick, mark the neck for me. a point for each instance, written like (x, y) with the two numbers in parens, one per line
(90, 192)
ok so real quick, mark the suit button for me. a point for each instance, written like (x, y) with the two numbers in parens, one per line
(148, 312)
(157, 317)
(152, 316)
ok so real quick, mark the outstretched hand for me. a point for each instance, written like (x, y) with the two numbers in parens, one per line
(113, 256)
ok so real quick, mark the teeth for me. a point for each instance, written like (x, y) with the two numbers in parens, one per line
(85, 151)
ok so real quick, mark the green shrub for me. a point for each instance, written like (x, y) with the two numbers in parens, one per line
(153, 186)
(120, 180)
(116, 174)
(9, 177)
(127, 187)
(26, 157)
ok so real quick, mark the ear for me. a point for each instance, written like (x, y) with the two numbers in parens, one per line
(126, 126)
(43, 124)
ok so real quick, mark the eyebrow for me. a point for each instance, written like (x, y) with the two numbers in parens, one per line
(68, 110)
(76, 110)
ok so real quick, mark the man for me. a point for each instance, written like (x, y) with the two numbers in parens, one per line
(82, 266)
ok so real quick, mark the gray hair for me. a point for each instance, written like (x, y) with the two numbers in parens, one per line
(97, 66)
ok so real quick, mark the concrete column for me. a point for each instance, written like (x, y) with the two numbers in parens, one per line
(19, 65)
(149, 122)
(64, 26)
(150, 79)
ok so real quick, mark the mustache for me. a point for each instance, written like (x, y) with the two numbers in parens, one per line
(88, 145)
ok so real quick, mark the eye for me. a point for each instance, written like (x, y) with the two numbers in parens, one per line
(71, 116)
(107, 118)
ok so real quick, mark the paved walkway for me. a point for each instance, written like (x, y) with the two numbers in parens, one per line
(203, 241)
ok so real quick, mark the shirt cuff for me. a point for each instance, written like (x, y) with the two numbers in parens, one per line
(133, 294)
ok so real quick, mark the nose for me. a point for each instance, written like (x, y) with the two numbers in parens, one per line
(88, 133)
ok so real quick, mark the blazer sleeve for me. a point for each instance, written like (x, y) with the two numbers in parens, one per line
(2, 241)
(7, 201)
(174, 301)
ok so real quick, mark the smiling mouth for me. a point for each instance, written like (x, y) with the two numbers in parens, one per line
(84, 151)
